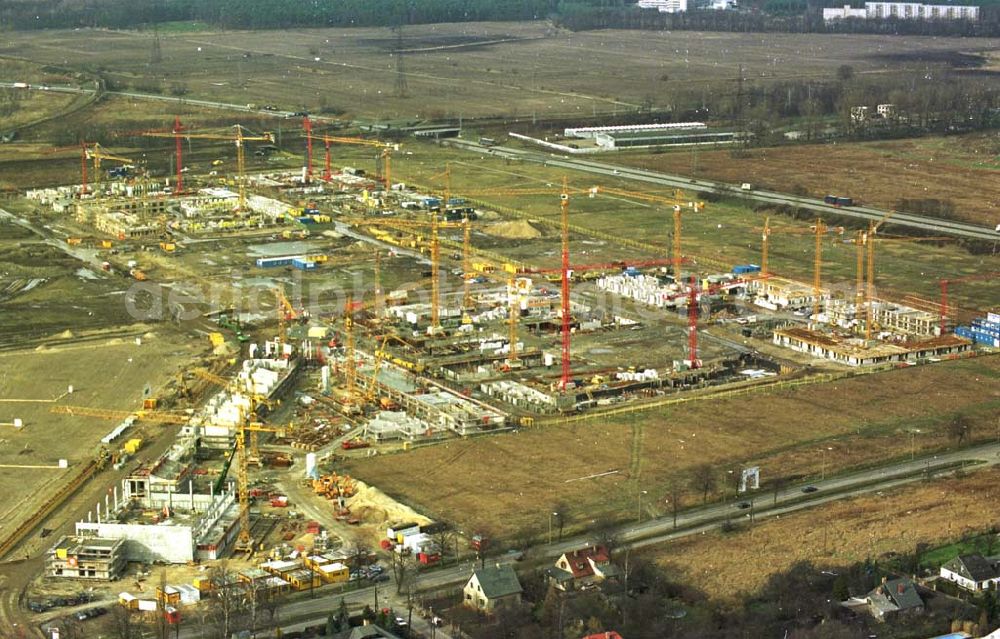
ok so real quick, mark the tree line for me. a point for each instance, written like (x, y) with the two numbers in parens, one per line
(792, 16)
(264, 14)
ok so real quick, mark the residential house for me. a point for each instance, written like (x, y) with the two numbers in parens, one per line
(369, 631)
(492, 587)
(894, 597)
(972, 572)
(583, 567)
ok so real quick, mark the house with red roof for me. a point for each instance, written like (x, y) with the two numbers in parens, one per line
(582, 568)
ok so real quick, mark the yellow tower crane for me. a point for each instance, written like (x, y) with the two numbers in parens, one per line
(239, 135)
(285, 311)
(678, 204)
(818, 230)
(244, 542)
(386, 150)
(435, 249)
(97, 153)
(161, 417)
(254, 398)
(873, 228)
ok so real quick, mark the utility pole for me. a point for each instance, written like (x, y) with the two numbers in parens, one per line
(402, 90)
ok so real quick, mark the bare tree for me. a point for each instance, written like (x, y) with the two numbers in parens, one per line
(227, 603)
(258, 597)
(402, 568)
(675, 500)
(446, 539)
(703, 479)
(358, 554)
(779, 485)
(560, 515)
(161, 613)
(960, 429)
(127, 623)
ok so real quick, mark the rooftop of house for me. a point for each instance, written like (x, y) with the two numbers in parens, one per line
(581, 562)
(497, 581)
(974, 567)
(896, 594)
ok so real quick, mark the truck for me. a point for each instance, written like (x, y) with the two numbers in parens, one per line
(478, 542)
(352, 444)
(838, 200)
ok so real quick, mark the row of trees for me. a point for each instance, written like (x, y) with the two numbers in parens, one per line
(261, 14)
(796, 16)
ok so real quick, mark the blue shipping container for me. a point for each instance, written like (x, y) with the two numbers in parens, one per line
(267, 262)
(742, 269)
(303, 265)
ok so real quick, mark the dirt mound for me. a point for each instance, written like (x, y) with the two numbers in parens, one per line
(518, 230)
(375, 507)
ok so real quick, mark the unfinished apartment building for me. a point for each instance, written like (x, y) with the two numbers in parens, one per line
(86, 558)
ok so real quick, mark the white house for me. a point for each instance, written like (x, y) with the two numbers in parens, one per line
(492, 587)
(664, 6)
(903, 11)
(972, 572)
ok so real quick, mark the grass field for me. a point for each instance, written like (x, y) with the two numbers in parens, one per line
(469, 69)
(833, 536)
(506, 484)
(725, 233)
(962, 169)
(45, 374)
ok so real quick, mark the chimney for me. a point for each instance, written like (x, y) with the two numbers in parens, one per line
(884, 579)
(900, 588)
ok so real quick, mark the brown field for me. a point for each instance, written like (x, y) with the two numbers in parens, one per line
(469, 69)
(962, 169)
(105, 373)
(506, 484)
(833, 535)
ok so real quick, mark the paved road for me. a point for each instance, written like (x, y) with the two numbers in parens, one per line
(209, 104)
(937, 226)
(691, 522)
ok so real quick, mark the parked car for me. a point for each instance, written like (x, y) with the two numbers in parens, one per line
(809, 489)
(40, 605)
(90, 613)
(743, 505)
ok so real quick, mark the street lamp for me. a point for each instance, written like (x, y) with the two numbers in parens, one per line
(822, 473)
(913, 451)
(638, 498)
(551, 515)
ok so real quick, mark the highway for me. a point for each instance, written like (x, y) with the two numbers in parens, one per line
(209, 104)
(764, 504)
(933, 225)
(900, 218)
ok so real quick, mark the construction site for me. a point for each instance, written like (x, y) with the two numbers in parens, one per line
(342, 313)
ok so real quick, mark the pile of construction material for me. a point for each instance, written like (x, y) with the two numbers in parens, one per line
(647, 375)
(643, 288)
(519, 395)
(396, 425)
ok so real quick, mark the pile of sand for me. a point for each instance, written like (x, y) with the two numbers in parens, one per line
(373, 506)
(518, 230)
